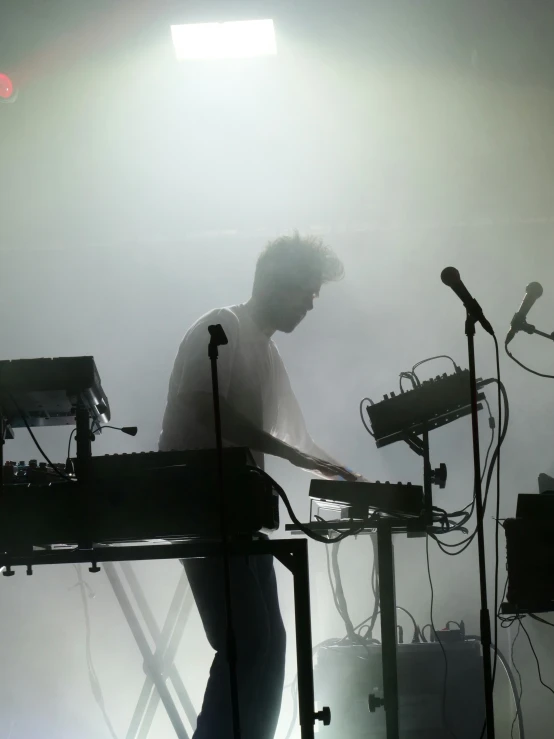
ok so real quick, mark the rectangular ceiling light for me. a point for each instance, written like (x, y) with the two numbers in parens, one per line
(231, 40)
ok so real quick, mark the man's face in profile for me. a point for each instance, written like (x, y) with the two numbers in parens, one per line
(290, 301)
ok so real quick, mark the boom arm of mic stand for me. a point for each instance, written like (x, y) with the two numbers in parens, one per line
(530, 329)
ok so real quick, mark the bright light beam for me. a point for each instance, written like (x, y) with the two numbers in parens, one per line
(231, 40)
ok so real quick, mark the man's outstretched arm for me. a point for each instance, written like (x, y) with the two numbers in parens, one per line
(239, 430)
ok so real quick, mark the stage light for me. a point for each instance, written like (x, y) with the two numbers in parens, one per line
(231, 40)
(7, 91)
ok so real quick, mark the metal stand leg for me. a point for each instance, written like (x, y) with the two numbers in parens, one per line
(2, 434)
(83, 437)
(297, 563)
(387, 599)
(167, 642)
(293, 554)
(156, 665)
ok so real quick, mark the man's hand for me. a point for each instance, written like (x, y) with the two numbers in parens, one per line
(321, 466)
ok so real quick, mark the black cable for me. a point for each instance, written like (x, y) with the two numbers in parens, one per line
(511, 679)
(536, 658)
(498, 614)
(466, 542)
(444, 687)
(375, 586)
(374, 579)
(339, 590)
(305, 530)
(453, 622)
(492, 426)
(411, 377)
(331, 583)
(497, 515)
(417, 630)
(414, 379)
(430, 359)
(69, 461)
(416, 627)
(69, 442)
(519, 694)
(340, 600)
(38, 446)
(93, 677)
(471, 504)
(532, 371)
(430, 633)
(538, 618)
(375, 590)
(129, 430)
(362, 401)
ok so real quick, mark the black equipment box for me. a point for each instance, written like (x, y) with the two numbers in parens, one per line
(346, 675)
(45, 392)
(530, 558)
(130, 500)
(360, 497)
(432, 404)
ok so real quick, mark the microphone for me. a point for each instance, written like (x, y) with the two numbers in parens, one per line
(533, 292)
(451, 277)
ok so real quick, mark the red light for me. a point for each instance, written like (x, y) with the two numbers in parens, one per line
(6, 87)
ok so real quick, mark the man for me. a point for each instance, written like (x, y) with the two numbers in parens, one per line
(258, 410)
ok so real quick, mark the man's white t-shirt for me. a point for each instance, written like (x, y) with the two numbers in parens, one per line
(252, 379)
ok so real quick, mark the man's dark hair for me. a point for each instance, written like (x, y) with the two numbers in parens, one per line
(292, 258)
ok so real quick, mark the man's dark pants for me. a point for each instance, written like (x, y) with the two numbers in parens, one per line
(260, 640)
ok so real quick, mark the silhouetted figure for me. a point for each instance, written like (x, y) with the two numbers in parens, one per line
(260, 411)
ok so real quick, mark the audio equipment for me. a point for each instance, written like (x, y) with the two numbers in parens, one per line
(47, 392)
(359, 498)
(432, 404)
(152, 500)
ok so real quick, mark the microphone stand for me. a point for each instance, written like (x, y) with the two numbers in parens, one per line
(484, 614)
(218, 338)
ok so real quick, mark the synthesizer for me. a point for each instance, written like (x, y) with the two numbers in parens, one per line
(135, 463)
(148, 501)
(45, 392)
(359, 498)
(431, 404)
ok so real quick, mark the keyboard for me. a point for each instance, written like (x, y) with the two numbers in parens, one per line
(138, 498)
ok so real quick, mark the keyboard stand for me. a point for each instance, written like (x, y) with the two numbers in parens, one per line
(292, 553)
(158, 664)
(385, 528)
